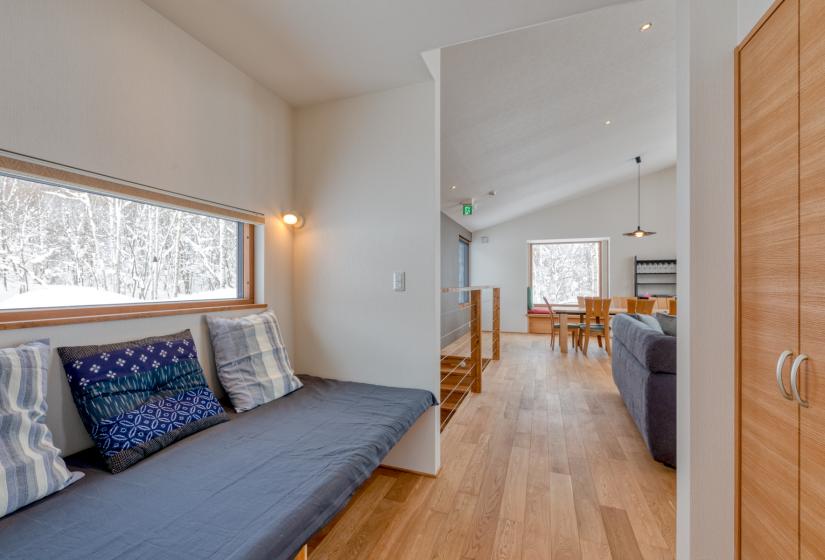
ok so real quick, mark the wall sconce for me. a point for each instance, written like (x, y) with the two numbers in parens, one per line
(293, 219)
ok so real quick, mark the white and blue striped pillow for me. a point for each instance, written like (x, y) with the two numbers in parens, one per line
(251, 359)
(30, 464)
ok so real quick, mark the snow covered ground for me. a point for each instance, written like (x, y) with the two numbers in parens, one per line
(76, 296)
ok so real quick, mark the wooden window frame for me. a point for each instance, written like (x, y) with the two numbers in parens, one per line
(53, 316)
(600, 246)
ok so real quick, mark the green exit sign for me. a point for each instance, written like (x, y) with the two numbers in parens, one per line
(467, 209)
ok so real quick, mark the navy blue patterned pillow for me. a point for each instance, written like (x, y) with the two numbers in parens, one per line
(135, 398)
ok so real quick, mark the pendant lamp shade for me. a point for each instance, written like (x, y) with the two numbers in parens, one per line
(639, 232)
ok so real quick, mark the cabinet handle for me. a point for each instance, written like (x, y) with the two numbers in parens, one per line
(780, 365)
(795, 378)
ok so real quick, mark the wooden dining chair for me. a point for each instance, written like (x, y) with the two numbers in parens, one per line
(671, 306)
(555, 328)
(630, 305)
(596, 323)
(645, 306)
(581, 300)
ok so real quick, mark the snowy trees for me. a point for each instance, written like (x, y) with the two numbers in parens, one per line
(563, 271)
(54, 236)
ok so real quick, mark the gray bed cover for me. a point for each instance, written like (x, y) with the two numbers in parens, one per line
(258, 486)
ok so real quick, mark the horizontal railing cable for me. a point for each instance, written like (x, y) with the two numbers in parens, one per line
(455, 330)
(456, 352)
(463, 309)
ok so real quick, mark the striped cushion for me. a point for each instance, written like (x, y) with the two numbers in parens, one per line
(251, 359)
(137, 397)
(30, 464)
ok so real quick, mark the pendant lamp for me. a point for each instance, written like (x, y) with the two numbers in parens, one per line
(639, 232)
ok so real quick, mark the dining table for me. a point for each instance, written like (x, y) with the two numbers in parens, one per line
(565, 311)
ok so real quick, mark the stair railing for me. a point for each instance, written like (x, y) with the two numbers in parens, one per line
(464, 343)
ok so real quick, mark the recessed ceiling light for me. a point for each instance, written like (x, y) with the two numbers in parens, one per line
(646, 26)
(608, 123)
(453, 188)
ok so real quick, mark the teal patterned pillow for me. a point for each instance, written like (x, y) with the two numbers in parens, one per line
(135, 398)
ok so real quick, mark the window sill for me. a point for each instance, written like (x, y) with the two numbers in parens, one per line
(55, 317)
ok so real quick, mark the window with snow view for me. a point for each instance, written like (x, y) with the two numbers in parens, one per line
(562, 271)
(64, 247)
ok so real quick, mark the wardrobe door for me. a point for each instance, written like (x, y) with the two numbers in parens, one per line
(769, 285)
(812, 258)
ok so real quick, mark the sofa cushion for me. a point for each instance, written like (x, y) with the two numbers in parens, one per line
(654, 350)
(30, 464)
(667, 322)
(251, 359)
(138, 397)
(650, 321)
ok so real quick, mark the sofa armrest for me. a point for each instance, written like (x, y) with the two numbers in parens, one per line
(655, 351)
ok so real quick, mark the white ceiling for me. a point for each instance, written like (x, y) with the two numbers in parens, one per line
(523, 113)
(309, 51)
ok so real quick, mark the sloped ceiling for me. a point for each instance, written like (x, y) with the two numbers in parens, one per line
(523, 113)
(308, 51)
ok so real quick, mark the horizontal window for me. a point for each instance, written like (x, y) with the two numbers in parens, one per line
(66, 252)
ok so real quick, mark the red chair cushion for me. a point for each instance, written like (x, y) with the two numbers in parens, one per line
(539, 311)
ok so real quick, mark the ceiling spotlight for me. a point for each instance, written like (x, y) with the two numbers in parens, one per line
(608, 123)
(646, 26)
(491, 193)
(453, 188)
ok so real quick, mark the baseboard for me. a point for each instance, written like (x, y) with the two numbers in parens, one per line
(400, 469)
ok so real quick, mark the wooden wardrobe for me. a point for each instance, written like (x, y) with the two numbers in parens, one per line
(780, 164)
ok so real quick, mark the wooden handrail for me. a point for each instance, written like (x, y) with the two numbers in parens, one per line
(466, 289)
(475, 338)
(496, 323)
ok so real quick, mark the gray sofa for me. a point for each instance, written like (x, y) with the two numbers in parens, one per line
(644, 369)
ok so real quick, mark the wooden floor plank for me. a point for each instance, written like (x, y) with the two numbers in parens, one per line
(564, 532)
(537, 522)
(544, 463)
(334, 544)
(620, 534)
(513, 501)
(449, 543)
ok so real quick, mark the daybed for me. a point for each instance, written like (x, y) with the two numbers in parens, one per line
(256, 487)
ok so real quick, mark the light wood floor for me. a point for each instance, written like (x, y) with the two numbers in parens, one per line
(545, 463)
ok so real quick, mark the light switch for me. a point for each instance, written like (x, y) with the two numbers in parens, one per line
(398, 282)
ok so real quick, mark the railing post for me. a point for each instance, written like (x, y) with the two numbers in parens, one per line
(496, 323)
(475, 338)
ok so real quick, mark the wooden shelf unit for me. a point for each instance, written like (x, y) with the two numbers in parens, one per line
(654, 273)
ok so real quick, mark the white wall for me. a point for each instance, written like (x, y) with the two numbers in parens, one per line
(115, 88)
(749, 13)
(365, 182)
(605, 213)
(709, 31)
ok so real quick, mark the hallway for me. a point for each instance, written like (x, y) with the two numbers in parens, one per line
(544, 463)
